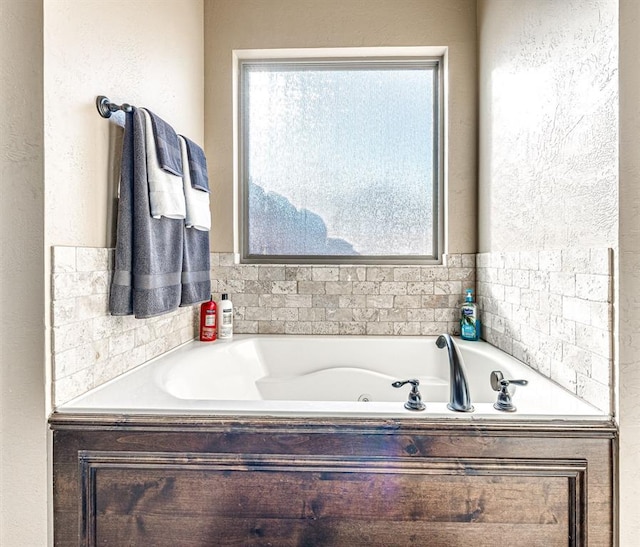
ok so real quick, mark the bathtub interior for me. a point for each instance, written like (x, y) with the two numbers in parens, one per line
(310, 369)
(322, 374)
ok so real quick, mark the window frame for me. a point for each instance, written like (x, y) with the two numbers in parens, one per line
(330, 57)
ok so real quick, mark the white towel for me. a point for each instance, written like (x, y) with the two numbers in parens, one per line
(198, 213)
(166, 196)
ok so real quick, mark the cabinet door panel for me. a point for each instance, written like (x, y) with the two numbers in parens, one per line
(217, 499)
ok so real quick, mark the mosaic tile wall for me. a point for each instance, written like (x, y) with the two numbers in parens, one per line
(90, 346)
(553, 310)
(550, 309)
(318, 299)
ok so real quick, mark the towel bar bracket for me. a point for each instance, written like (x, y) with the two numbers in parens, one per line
(106, 107)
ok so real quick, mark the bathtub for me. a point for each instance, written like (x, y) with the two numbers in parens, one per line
(289, 375)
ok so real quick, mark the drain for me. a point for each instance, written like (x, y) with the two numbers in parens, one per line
(364, 398)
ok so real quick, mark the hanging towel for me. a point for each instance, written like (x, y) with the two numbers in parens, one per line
(196, 278)
(167, 145)
(148, 260)
(198, 215)
(197, 165)
(166, 195)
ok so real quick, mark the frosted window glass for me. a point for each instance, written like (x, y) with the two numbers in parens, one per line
(339, 159)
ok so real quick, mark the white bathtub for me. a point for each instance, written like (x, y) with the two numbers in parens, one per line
(324, 376)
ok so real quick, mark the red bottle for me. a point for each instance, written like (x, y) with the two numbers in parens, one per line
(208, 321)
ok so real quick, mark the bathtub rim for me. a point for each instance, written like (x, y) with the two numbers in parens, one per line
(325, 410)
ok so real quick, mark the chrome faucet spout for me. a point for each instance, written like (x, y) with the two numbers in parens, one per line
(459, 395)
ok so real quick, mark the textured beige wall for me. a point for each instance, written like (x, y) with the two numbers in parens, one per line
(548, 124)
(23, 406)
(64, 53)
(629, 277)
(556, 178)
(146, 53)
(258, 24)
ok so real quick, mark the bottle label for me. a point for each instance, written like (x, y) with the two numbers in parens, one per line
(208, 334)
(468, 333)
(210, 319)
(226, 324)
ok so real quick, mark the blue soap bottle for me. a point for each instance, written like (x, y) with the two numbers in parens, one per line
(469, 320)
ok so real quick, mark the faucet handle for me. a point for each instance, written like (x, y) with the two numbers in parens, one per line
(500, 384)
(498, 381)
(415, 399)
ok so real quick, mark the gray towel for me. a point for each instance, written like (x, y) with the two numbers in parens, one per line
(197, 166)
(121, 294)
(167, 145)
(196, 279)
(148, 262)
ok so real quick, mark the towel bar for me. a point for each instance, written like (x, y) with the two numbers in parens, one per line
(106, 107)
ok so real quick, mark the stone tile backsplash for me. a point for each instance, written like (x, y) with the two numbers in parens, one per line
(89, 345)
(552, 310)
(362, 299)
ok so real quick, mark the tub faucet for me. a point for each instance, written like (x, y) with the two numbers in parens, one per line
(459, 396)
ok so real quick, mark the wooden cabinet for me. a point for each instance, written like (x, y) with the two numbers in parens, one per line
(193, 481)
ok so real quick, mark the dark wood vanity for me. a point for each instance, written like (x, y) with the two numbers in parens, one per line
(208, 481)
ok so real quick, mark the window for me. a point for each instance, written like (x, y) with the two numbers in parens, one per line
(339, 160)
